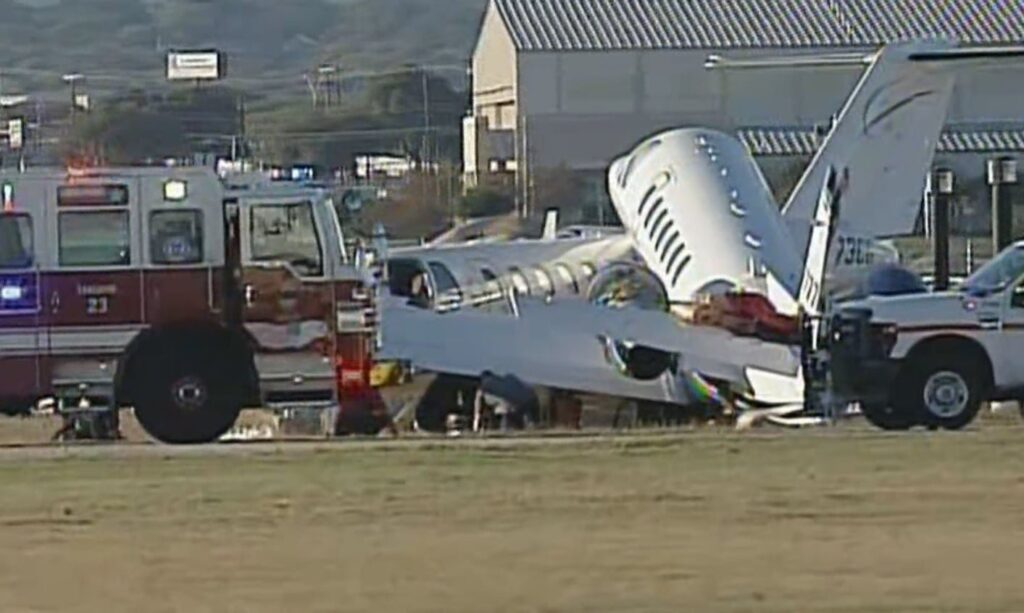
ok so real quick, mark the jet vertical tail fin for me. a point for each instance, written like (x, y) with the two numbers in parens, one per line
(885, 138)
(886, 133)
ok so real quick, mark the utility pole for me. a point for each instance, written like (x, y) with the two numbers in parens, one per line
(425, 151)
(72, 79)
(327, 79)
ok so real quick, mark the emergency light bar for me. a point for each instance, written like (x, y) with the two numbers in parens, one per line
(92, 195)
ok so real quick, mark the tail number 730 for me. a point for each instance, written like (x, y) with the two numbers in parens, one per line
(854, 251)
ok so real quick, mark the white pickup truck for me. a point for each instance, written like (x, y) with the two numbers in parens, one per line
(933, 359)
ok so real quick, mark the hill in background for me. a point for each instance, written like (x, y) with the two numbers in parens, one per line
(121, 44)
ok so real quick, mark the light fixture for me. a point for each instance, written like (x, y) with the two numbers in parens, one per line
(175, 190)
(11, 293)
(8, 197)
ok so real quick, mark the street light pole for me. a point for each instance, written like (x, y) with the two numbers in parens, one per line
(426, 119)
(72, 79)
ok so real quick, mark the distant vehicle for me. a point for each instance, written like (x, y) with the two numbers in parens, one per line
(163, 290)
(932, 359)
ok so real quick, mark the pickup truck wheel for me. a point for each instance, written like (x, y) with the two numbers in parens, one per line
(944, 390)
(888, 417)
(187, 395)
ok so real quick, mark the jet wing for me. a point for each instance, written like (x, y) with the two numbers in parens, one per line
(562, 345)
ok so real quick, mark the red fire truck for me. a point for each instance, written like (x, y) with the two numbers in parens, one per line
(164, 290)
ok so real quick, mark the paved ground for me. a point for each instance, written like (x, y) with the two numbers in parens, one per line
(845, 519)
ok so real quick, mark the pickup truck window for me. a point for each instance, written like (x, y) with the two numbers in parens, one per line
(999, 273)
(1017, 300)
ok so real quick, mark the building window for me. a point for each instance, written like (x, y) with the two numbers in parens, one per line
(176, 237)
(94, 238)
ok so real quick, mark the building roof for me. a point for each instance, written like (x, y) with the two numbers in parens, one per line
(956, 139)
(583, 25)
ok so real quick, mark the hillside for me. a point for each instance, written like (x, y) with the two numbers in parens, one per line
(120, 44)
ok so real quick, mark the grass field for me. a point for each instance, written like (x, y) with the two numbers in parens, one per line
(843, 520)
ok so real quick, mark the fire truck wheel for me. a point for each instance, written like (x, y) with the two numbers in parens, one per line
(943, 389)
(888, 418)
(187, 396)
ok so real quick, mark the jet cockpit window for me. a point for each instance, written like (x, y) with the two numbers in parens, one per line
(443, 278)
(636, 158)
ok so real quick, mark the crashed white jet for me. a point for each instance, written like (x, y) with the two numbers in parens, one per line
(698, 211)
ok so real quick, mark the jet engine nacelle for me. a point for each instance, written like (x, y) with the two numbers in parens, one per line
(626, 285)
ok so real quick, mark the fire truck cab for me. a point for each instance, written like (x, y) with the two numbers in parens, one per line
(163, 290)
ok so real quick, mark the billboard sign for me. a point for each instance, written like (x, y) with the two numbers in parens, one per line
(204, 65)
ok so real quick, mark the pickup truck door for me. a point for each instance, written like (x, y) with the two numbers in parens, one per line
(1011, 345)
(288, 305)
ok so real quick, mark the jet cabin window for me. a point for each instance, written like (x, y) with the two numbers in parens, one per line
(566, 274)
(545, 283)
(519, 282)
(94, 238)
(287, 233)
(176, 237)
(15, 242)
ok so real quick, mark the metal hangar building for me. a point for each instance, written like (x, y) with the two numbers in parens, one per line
(574, 83)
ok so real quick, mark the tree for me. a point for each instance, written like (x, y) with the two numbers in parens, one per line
(559, 188)
(421, 209)
(486, 201)
(125, 136)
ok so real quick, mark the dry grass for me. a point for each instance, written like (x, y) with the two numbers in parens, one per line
(844, 520)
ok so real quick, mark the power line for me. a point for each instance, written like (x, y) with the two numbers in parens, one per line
(326, 136)
(140, 75)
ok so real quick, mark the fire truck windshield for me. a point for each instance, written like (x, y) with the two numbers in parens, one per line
(287, 233)
(15, 242)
